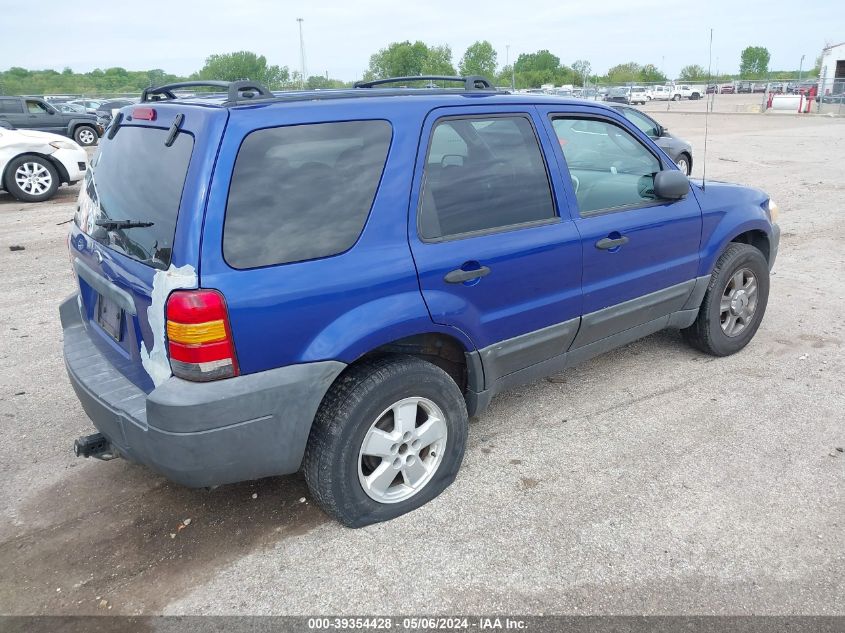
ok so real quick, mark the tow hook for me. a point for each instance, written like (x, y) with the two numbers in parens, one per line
(96, 446)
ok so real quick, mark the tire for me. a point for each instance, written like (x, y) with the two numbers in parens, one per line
(676, 97)
(85, 135)
(684, 163)
(31, 178)
(709, 333)
(359, 407)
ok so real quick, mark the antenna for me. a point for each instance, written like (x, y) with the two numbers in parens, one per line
(301, 56)
(707, 111)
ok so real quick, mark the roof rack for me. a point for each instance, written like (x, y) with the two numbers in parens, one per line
(238, 91)
(471, 82)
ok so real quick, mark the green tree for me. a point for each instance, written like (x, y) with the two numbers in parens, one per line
(535, 69)
(399, 59)
(438, 61)
(479, 59)
(693, 72)
(581, 68)
(624, 73)
(754, 62)
(651, 74)
(243, 65)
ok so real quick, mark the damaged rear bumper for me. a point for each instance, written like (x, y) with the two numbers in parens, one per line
(198, 434)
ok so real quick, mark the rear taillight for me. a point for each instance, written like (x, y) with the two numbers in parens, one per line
(199, 339)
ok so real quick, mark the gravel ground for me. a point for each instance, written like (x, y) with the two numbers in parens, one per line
(653, 479)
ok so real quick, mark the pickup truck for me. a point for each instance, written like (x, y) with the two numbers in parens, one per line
(685, 92)
(33, 113)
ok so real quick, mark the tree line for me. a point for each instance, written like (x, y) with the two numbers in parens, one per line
(399, 59)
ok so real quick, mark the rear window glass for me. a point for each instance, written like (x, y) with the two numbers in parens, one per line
(302, 192)
(135, 177)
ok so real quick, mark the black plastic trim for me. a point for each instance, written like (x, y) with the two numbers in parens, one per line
(514, 354)
(471, 82)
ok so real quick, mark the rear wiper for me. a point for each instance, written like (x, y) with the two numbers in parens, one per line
(113, 225)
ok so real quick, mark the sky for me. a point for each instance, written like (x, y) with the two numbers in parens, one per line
(341, 36)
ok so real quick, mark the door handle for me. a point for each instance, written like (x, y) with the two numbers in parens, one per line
(460, 275)
(608, 243)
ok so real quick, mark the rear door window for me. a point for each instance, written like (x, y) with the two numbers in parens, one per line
(303, 191)
(10, 106)
(135, 177)
(483, 174)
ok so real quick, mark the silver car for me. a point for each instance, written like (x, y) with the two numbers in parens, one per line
(678, 149)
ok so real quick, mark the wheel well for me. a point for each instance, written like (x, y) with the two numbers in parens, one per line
(440, 349)
(757, 239)
(63, 175)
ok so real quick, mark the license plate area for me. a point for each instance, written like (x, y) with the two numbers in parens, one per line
(110, 317)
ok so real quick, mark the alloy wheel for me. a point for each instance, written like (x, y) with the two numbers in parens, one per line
(33, 178)
(739, 302)
(402, 450)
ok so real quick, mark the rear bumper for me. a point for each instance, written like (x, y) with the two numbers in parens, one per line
(198, 434)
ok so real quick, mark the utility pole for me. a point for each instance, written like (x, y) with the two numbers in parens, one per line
(800, 68)
(301, 56)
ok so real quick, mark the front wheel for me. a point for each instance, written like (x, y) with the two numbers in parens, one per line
(734, 303)
(32, 178)
(684, 164)
(85, 135)
(389, 437)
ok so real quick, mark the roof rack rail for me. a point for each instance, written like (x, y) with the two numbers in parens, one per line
(471, 82)
(238, 91)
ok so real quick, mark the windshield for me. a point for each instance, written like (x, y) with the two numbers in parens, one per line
(132, 193)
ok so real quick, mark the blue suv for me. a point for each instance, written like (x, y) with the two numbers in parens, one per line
(335, 281)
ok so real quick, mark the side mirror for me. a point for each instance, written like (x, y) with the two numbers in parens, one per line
(671, 184)
(661, 131)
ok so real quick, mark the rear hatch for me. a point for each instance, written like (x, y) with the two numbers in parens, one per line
(136, 231)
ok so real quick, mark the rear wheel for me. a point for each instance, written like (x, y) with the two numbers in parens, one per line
(389, 437)
(31, 178)
(734, 303)
(85, 135)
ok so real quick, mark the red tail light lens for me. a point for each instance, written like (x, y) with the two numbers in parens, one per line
(145, 114)
(199, 339)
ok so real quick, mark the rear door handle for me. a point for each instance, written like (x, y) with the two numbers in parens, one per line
(608, 243)
(460, 275)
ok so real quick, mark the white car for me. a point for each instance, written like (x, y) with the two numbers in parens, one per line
(661, 93)
(34, 164)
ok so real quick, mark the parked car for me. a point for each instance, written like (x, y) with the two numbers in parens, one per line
(90, 105)
(107, 109)
(661, 93)
(677, 149)
(627, 94)
(744, 87)
(336, 280)
(33, 165)
(777, 87)
(727, 89)
(759, 87)
(36, 114)
(71, 108)
(685, 91)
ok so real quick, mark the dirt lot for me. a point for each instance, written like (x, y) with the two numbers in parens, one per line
(650, 480)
